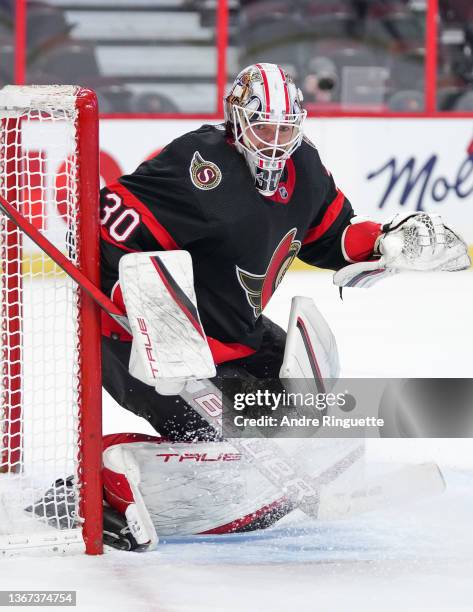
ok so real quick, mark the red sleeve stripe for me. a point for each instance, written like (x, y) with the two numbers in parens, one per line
(159, 232)
(106, 236)
(332, 212)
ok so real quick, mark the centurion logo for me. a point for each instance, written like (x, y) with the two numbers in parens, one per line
(260, 287)
(205, 175)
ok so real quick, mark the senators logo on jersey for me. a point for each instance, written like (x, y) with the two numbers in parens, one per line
(204, 174)
(260, 287)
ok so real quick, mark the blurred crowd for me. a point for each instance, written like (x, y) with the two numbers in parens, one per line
(159, 56)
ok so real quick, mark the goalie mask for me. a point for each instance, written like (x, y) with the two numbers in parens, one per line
(264, 113)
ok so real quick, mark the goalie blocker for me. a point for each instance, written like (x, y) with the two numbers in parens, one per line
(169, 346)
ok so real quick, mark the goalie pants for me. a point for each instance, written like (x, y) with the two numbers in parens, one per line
(170, 416)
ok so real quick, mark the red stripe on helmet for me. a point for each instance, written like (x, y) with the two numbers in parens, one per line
(286, 91)
(266, 87)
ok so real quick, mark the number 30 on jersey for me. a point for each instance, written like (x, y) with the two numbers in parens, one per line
(119, 219)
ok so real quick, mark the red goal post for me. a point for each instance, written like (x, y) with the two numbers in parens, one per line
(50, 383)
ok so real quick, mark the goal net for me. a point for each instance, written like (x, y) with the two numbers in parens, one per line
(50, 390)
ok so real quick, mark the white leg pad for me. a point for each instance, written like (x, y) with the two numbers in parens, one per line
(311, 350)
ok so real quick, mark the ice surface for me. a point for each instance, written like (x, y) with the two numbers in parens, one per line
(401, 559)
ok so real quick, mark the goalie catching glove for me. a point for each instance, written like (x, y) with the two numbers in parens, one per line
(416, 242)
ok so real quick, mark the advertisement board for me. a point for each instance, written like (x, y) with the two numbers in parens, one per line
(384, 166)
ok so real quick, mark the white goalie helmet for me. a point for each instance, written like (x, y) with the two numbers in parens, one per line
(264, 113)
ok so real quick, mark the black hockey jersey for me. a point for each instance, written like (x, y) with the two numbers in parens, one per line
(198, 194)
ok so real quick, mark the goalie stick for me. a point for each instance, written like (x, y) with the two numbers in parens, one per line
(268, 458)
(302, 490)
(314, 496)
(61, 260)
(404, 485)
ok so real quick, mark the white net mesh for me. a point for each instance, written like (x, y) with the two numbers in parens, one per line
(40, 341)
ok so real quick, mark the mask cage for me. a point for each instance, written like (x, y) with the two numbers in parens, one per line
(273, 152)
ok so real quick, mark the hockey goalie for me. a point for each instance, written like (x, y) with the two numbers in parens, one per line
(237, 202)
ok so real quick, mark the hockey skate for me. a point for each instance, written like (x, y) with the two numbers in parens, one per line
(117, 532)
(57, 508)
